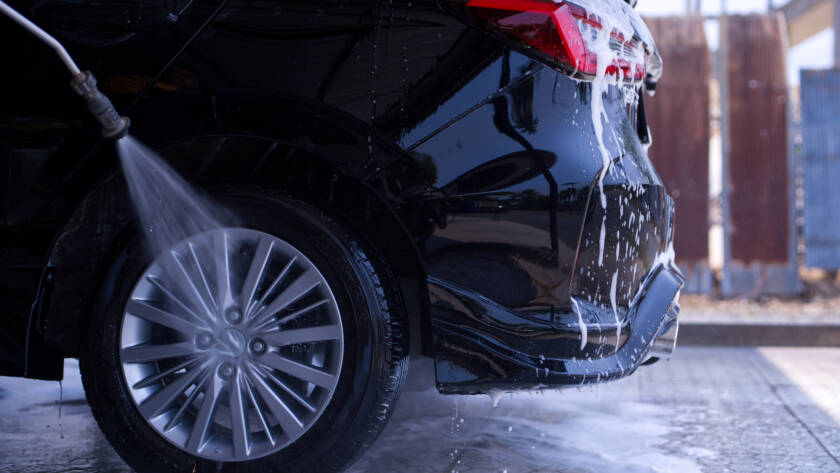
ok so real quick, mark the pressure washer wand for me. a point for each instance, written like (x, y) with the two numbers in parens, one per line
(83, 83)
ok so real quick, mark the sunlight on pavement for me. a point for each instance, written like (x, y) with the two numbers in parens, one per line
(815, 371)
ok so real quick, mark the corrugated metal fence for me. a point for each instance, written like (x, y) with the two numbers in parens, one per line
(679, 118)
(821, 168)
(757, 202)
(761, 239)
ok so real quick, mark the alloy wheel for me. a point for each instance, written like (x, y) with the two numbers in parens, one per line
(231, 344)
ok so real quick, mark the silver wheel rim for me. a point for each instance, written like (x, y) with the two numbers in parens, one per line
(231, 344)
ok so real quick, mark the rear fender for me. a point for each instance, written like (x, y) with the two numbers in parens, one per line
(347, 162)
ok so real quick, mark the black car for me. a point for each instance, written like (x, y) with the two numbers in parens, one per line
(465, 181)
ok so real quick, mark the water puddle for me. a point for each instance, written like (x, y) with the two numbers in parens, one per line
(587, 431)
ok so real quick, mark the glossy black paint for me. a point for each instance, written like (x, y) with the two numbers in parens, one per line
(467, 163)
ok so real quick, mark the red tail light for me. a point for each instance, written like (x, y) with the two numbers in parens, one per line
(565, 34)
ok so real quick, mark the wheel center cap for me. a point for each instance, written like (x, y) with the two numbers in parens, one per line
(234, 340)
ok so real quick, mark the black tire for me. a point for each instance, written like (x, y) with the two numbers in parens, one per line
(375, 350)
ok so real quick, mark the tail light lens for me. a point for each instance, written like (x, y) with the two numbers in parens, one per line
(570, 36)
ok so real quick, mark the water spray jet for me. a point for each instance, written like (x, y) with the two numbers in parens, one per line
(168, 208)
(83, 83)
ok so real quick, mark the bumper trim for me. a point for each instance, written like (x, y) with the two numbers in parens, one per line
(666, 342)
(481, 346)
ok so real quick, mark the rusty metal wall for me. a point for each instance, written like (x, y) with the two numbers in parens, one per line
(762, 256)
(758, 140)
(679, 119)
(821, 167)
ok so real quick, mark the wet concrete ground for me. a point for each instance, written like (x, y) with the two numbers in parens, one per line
(709, 410)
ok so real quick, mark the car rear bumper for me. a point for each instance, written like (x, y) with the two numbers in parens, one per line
(481, 346)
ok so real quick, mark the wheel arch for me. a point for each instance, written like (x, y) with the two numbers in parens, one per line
(337, 161)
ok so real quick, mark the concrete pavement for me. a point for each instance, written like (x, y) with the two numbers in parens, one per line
(708, 410)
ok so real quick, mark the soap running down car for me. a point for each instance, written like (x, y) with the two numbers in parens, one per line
(464, 181)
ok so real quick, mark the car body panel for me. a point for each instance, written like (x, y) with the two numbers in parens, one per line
(480, 160)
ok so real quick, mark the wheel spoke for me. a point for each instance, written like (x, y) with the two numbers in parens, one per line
(291, 392)
(307, 281)
(160, 317)
(190, 399)
(292, 426)
(222, 261)
(205, 415)
(159, 401)
(238, 419)
(299, 370)
(147, 353)
(257, 408)
(150, 380)
(304, 335)
(255, 273)
(194, 294)
(159, 284)
(210, 296)
(259, 307)
(270, 324)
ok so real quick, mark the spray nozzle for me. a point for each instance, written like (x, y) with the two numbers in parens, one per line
(114, 126)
